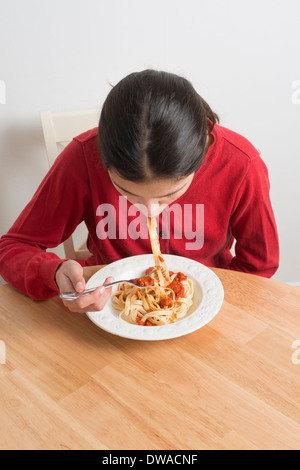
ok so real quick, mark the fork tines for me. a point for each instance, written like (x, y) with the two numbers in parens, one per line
(154, 272)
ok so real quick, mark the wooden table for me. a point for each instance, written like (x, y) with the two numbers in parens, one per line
(234, 384)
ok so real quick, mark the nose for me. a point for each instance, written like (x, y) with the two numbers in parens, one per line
(150, 208)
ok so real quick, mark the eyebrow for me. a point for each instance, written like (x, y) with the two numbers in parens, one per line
(157, 197)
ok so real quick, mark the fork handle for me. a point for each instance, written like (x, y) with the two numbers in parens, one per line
(75, 295)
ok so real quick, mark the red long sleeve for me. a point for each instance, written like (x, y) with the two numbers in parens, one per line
(253, 224)
(55, 210)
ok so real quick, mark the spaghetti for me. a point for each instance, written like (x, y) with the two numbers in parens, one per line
(166, 298)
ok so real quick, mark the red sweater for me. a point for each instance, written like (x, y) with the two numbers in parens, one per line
(228, 199)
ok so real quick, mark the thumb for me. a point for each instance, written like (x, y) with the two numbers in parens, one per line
(77, 279)
(79, 286)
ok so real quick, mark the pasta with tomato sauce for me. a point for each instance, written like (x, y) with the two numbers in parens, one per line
(165, 298)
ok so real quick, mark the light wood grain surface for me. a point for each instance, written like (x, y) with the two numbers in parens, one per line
(234, 384)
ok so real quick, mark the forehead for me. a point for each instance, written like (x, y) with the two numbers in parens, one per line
(158, 188)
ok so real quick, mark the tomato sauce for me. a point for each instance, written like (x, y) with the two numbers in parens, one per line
(177, 286)
(149, 270)
(144, 281)
(166, 302)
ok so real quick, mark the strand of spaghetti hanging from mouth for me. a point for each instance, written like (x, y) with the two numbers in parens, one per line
(160, 265)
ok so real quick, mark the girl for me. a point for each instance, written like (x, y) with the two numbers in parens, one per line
(159, 152)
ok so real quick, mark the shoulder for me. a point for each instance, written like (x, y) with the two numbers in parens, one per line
(233, 158)
(88, 136)
(79, 154)
(235, 144)
(88, 141)
(88, 144)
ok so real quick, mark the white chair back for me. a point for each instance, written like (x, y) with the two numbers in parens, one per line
(59, 129)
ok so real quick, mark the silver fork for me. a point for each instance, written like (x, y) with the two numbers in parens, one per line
(75, 295)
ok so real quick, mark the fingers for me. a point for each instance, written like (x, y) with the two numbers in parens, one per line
(93, 302)
(69, 277)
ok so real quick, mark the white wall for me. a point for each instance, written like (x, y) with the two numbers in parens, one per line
(243, 57)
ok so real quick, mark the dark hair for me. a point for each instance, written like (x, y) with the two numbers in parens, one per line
(154, 125)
